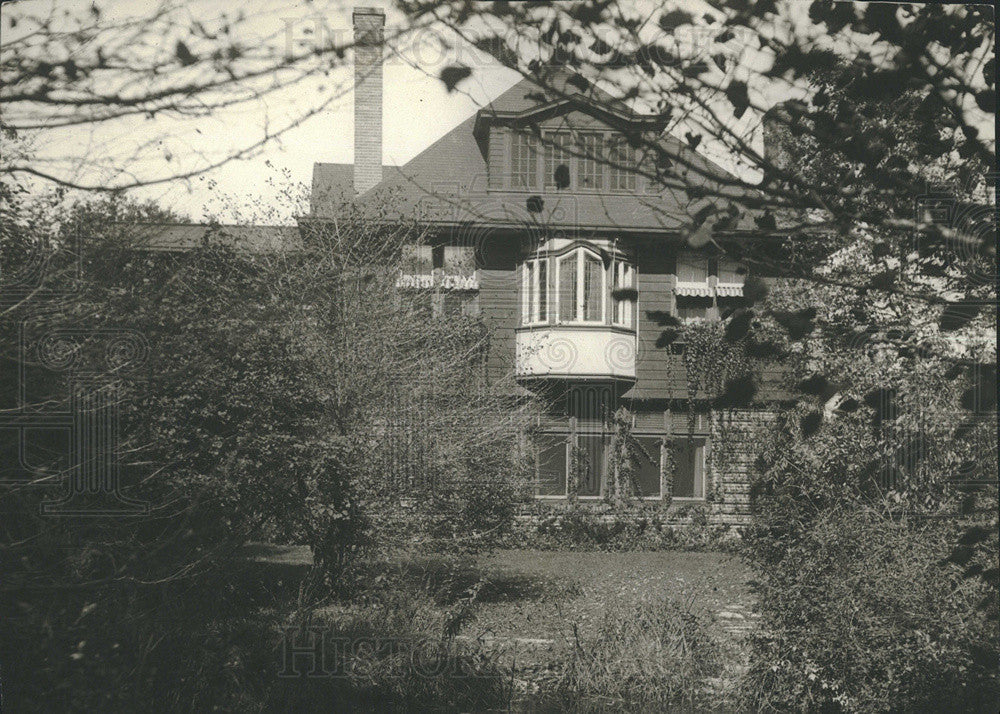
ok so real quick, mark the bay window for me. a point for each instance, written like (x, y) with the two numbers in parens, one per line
(576, 288)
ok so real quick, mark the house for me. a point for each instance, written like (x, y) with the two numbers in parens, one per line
(543, 215)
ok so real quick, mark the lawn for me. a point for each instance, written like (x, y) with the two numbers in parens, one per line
(532, 608)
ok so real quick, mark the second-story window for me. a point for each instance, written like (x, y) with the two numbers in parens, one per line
(590, 160)
(624, 277)
(523, 161)
(621, 157)
(575, 288)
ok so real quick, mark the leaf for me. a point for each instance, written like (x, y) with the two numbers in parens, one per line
(797, 324)
(666, 338)
(692, 139)
(184, 55)
(454, 74)
(987, 100)
(701, 236)
(754, 290)
(738, 96)
(579, 81)
(670, 21)
(738, 325)
(738, 392)
(625, 294)
(766, 221)
(562, 176)
(810, 423)
(957, 315)
(663, 318)
(814, 385)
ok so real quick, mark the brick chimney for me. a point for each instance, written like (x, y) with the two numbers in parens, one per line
(368, 25)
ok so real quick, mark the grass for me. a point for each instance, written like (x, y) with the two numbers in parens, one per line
(580, 630)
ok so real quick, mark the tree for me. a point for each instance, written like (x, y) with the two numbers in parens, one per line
(262, 397)
(141, 82)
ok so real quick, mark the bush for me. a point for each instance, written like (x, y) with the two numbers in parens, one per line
(650, 654)
(625, 529)
(862, 614)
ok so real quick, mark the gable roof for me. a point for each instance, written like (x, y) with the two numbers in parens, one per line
(446, 184)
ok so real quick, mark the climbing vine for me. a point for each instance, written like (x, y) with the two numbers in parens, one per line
(626, 455)
(719, 371)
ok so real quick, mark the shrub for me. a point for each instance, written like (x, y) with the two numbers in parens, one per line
(862, 615)
(653, 654)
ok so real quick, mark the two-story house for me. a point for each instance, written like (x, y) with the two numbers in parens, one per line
(543, 216)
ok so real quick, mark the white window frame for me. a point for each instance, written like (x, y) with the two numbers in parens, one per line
(579, 311)
(623, 277)
(531, 292)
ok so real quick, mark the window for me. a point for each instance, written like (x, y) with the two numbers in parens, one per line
(621, 157)
(689, 474)
(567, 287)
(417, 259)
(624, 276)
(523, 161)
(692, 268)
(551, 465)
(574, 288)
(594, 464)
(590, 161)
(581, 287)
(648, 473)
(593, 289)
(693, 308)
(557, 154)
(535, 290)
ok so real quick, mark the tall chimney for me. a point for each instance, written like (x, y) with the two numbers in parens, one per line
(368, 25)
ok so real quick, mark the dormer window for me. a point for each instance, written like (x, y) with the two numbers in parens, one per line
(599, 161)
(575, 287)
(523, 161)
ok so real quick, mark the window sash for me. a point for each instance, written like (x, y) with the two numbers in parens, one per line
(590, 166)
(567, 266)
(621, 157)
(624, 275)
(523, 161)
(557, 152)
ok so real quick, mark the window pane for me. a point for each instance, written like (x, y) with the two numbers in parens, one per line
(592, 449)
(590, 163)
(688, 476)
(543, 293)
(552, 465)
(556, 154)
(417, 259)
(621, 158)
(528, 286)
(623, 279)
(648, 475)
(728, 272)
(693, 307)
(592, 292)
(523, 161)
(459, 260)
(567, 288)
(692, 269)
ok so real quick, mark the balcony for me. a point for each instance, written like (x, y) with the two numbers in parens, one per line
(576, 352)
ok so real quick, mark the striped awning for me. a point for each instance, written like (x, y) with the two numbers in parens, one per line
(729, 290)
(693, 289)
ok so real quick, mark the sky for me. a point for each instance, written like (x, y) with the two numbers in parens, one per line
(417, 108)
